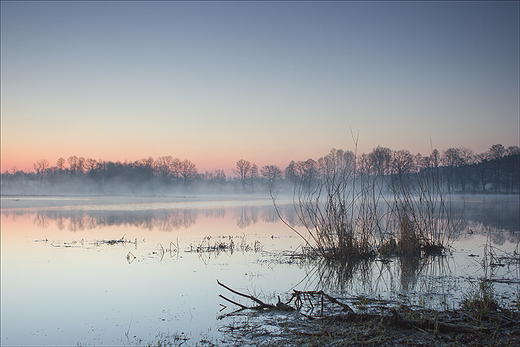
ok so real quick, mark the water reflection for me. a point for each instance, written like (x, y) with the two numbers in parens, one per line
(393, 279)
(483, 216)
(111, 267)
(162, 220)
(479, 213)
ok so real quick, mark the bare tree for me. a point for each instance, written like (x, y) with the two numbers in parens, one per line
(215, 178)
(90, 164)
(73, 163)
(380, 159)
(188, 171)
(337, 162)
(450, 159)
(242, 171)
(402, 162)
(81, 165)
(290, 172)
(308, 172)
(60, 163)
(41, 166)
(253, 176)
(272, 173)
(484, 170)
(496, 152)
(162, 167)
(467, 157)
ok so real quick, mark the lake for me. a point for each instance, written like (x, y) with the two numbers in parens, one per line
(121, 271)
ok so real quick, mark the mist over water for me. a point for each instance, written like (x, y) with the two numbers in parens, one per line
(117, 269)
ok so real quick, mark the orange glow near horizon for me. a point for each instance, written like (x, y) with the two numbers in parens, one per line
(23, 157)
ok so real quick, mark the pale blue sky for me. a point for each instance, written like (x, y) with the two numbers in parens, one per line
(215, 82)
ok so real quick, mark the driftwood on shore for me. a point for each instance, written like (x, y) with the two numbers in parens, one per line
(316, 301)
(299, 297)
(261, 305)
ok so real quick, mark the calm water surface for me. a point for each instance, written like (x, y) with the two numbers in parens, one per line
(117, 271)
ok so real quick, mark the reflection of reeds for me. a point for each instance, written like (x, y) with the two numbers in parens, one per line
(161, 251)
(374, 276)
(499, 265)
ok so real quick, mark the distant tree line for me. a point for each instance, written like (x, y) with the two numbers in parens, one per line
(496, 170)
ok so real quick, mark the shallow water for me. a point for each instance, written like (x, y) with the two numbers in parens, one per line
(105, 271)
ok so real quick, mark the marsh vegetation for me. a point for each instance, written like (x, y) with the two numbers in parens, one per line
(361, 209)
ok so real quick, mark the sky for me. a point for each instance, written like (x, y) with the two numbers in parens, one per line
(268, 82)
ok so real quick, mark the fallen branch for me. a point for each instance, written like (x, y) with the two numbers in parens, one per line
(298, 296)
(261, 304)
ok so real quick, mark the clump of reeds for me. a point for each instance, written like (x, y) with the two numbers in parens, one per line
(423, 210)
(341, 220)
(223, 245)
(354, 213)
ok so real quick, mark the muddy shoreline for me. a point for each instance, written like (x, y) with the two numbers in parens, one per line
(399, 327)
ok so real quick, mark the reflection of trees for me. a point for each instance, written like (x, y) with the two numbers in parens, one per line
(493, 211)
(244, 218)
(269, 215)
(77, 223)
(60, 223)
(163, 220)
(215, 213)
(288, 213)
(479, 214)
(41, 221)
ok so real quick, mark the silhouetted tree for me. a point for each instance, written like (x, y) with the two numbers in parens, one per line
(308, 172)
(60, 163)
(511, 168)
(40, 167)
(188, 172)
(337, 162)
(496, 152)
(253, 176)
(90, 165)
(80, 167)
(402, 162)
(451, 159)
(162, 167)
(273, 174)
(497, 169)
(242, 171)
(215, 178)
(73, 163)
(380, 160)
(290, 172)
(483, 170)
(466, 158)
